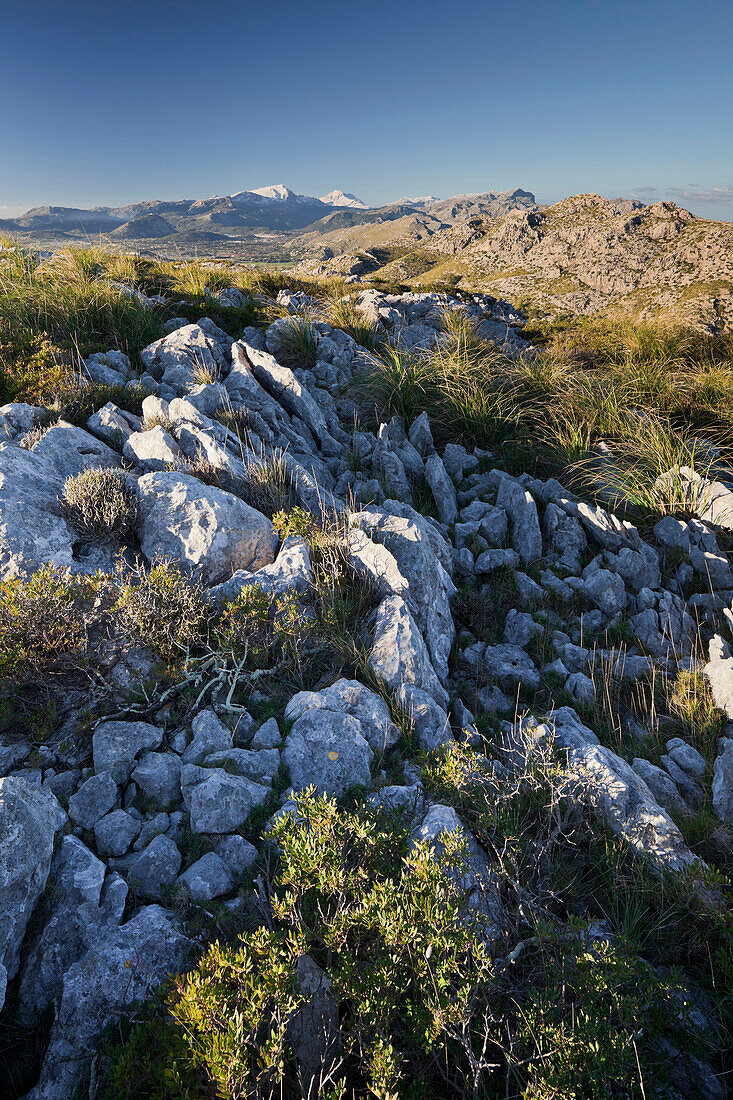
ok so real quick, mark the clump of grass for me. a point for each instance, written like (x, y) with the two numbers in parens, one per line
(72, 299)
(643, 470)
(204, 375)
(345, 314)
(690, 700)
(299, 342)
(157, 421)
(269, 485)
(469, 397)
(462, 330)
(102, 504)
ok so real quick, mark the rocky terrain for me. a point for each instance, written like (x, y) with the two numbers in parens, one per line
(583, 255)
(501, 637)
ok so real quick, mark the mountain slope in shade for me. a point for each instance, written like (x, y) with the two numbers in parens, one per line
(145, 226)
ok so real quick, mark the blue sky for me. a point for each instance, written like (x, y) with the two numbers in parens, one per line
(106, 103)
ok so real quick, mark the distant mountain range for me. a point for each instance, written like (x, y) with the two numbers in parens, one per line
(272, 208)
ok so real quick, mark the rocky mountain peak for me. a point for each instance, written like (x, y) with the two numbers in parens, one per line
(343, 198)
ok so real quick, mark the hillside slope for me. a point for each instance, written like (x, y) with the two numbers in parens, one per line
(584, 254)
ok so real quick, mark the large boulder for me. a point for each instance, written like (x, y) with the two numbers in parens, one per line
(328, 751)
(620, 795)
(405, 564)
(719, 672)
(183, 356)
(68, 450)
(350, 697)
(399, 654)
(116, 973)
(30, 817)
(203, 528)
(84, 904)
(217, 801)
(116, 744)
(519, 505)
(32, 530)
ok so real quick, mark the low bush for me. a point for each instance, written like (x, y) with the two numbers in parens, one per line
(44, 623)
(163, 609)
(102, 504)
(415, 1003)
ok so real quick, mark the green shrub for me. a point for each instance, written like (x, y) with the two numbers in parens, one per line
(420, 1006)
(44, 622)
(163, 609)
(102, 504)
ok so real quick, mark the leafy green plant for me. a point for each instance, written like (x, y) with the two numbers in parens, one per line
(163, 609)
(44, 622)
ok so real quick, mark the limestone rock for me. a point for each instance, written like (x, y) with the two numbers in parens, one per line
(158, 776)
(408, 567)
(399, 654)
(329, 751)
(352, 698)
(114, 833)
(179, 358)
(472, 875)
(204, 529)
(83, 907)
(109, 979)
(719, 671)
(68, 450)
(155, 868)
(32, 531)
(442, 488)
(519, 505)
(116, 744)
(209, 877)
(93, 800)
(30, 816)
(723, 781)
(621, 796)
(219, 802)
(662, 786)
(154, 449)
(209, 735)
(510, 666)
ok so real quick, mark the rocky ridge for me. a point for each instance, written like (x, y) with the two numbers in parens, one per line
(107, 934)
(585, 254)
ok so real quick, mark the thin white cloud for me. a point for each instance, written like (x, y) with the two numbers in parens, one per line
(702, 194)
(690, 193)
